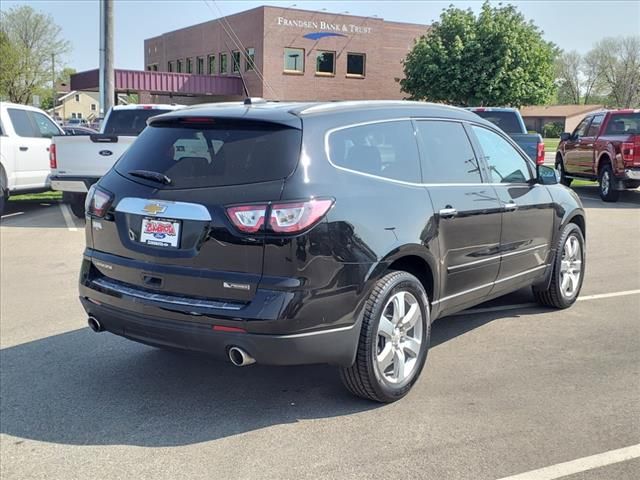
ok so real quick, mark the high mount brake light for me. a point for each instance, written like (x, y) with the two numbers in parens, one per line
(285, 217)
(98, 201)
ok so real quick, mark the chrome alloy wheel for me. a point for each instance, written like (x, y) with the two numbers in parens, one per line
(399, 337)
(605, 183)
(570, 267)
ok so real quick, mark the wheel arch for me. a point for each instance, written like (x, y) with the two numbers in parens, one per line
(416, 260)
(603, 159)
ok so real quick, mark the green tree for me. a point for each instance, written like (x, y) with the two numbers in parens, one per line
(494, 58)
(32, 38)
(46, 93)
(8, 64)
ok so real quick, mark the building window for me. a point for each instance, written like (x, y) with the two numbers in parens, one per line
(73, 115)
(355, 64)
(251, 59)
(77, 98)
(189, 65)
(179, 66)
(294, 60)
(326, 63)
(212, 65)
(223, 63)
(93, 107)
(169, 66)
(79, 115)
(200, 65)
(154, 67)
(148, 68)
(236, 61)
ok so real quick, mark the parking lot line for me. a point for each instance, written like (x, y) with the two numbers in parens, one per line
(580, 465)
(68, 219)
(609, 295)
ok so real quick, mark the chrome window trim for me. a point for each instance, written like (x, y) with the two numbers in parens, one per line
(506, 279)
(402, 182)
(177, 210)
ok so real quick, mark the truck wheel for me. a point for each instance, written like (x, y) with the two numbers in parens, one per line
(394, 340)
(608, 193)
(566, 181)
(76, 202)
(568, 270)
(4, 194)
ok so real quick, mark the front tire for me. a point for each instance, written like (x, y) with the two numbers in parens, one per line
(564, 180)
(568, 270)
(394, 340)
(608, 193)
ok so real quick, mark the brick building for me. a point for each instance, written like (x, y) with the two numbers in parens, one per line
(292, 54)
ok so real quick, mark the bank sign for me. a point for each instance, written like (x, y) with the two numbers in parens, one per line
(329, 29)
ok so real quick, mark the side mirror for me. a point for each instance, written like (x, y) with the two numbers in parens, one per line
(564, 136)
(547, 175)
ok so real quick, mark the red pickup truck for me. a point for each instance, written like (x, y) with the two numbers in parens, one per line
(605, 146)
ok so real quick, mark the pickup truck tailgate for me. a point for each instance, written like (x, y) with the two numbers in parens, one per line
(87, 155)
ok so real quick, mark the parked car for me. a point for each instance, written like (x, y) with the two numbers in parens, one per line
(78, 130)
(605, 146)
(510, 122)
(286, 234)
(25, 134)
(76, 122)
(77, 162)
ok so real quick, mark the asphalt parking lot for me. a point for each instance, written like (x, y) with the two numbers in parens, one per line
(508, 388)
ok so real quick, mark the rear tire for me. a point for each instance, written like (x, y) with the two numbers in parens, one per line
(564, 288)
(608, 193)
(4, 193)
(76, 203)
(394, 340)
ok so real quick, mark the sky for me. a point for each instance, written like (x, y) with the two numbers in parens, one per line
(570, 24)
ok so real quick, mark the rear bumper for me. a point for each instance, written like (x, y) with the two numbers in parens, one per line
(76, 184)
(336, 346)
(631, 174)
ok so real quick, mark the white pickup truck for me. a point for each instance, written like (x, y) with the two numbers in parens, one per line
(77, 162)
(25, 139)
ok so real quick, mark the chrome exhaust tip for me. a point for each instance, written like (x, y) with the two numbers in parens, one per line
(95, 325)
(240, 358)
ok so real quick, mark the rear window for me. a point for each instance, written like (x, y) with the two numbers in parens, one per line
(507, 121)
(130, 122)
(208, 156)
(624, 124)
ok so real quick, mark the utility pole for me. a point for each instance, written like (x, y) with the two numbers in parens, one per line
(107, 84)
(53, 84)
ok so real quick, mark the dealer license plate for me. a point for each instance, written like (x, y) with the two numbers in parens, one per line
(160, 233)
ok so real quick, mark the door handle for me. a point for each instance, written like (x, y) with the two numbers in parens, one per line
(448, 212)
(511, 206)
(24, 149)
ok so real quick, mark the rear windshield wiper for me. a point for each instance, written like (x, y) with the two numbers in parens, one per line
(149, 175)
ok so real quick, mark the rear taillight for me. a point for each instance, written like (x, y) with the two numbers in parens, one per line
(247, 218)
(540, 154)
(288, 217)
(296, 217)
(98, 201)
(53, 161)
(631, 150)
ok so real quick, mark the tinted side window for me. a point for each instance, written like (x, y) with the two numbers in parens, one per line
(386, 149)
(21, 123)
(447, 156)
(595, 126)
(45, 126)
(505, 163)
(624, 124)
(130, 122)
(581, 129)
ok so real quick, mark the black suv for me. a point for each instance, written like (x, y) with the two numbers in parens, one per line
(288, 233)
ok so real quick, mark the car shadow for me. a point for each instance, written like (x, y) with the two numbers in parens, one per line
(81, 388)
(590, 193)
(36, 214)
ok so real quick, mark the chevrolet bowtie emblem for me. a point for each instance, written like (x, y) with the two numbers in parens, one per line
(154, 208)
